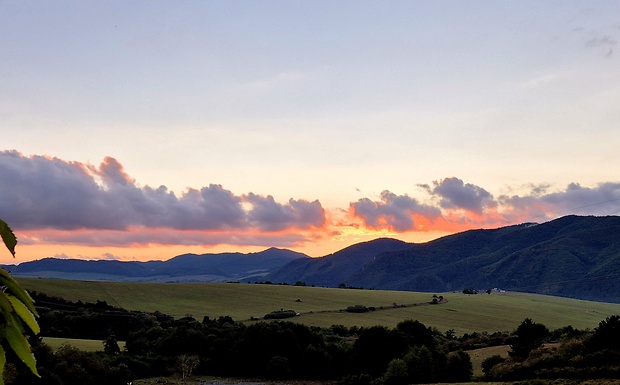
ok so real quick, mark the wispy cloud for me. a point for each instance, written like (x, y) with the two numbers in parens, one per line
(543, 80)
(607, 43)
(271, 83)
(604, 41)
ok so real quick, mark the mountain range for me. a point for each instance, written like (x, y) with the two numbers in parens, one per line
(573, 256)
(222, 267)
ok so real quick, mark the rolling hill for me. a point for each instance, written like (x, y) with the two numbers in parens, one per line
(572, 256)
(319, 306)
(333, 269)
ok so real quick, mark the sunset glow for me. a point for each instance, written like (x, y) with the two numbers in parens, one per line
(144, 131)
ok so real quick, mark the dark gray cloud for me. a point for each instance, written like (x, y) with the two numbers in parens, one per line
(40, 192)
(268, 215)
(48, 193)
(455, 194)
(393, 211)
(603, 197)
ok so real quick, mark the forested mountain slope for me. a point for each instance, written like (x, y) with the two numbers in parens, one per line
(333, 269)
(573, 256)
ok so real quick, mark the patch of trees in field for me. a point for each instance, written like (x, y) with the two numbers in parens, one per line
(159, 345)
(85, 320)
(580, 355)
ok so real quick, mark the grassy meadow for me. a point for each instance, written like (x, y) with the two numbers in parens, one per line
(86, 345)
(321, 306)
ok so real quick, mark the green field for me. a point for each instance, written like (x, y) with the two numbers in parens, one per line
(464, 313)
(86, 345)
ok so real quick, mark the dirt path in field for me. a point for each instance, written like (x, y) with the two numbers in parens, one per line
(370, 308)
(388, 307)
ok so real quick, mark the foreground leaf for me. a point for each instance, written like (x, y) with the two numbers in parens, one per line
(16, 290)
(5, 308)
(21, 347)
(8, 237)
(26, 315)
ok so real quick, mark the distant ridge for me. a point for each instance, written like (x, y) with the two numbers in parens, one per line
(220, 267)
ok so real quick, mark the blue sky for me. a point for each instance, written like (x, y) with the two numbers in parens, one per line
(347, 104)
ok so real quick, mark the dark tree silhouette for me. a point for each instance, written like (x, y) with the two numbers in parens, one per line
(528, 336)
(459, 367)
(110, 346)
(606, 335)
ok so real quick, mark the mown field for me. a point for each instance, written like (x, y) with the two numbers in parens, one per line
(463, 313)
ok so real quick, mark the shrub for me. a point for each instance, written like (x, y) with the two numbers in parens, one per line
(396, 373)
(280, 314)
(489, 363)
(357, 309)
(458, 367)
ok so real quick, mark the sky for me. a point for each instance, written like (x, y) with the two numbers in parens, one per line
(147, 129)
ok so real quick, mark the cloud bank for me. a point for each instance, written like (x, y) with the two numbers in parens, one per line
(53, 201)
(72, 202)
(457, 206)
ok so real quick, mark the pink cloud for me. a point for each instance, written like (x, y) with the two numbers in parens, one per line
(138, 237)
(460, 206)
(392, 212)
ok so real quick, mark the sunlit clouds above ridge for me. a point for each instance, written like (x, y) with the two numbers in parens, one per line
(145, 130)
(50, 193)
(50, 201)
